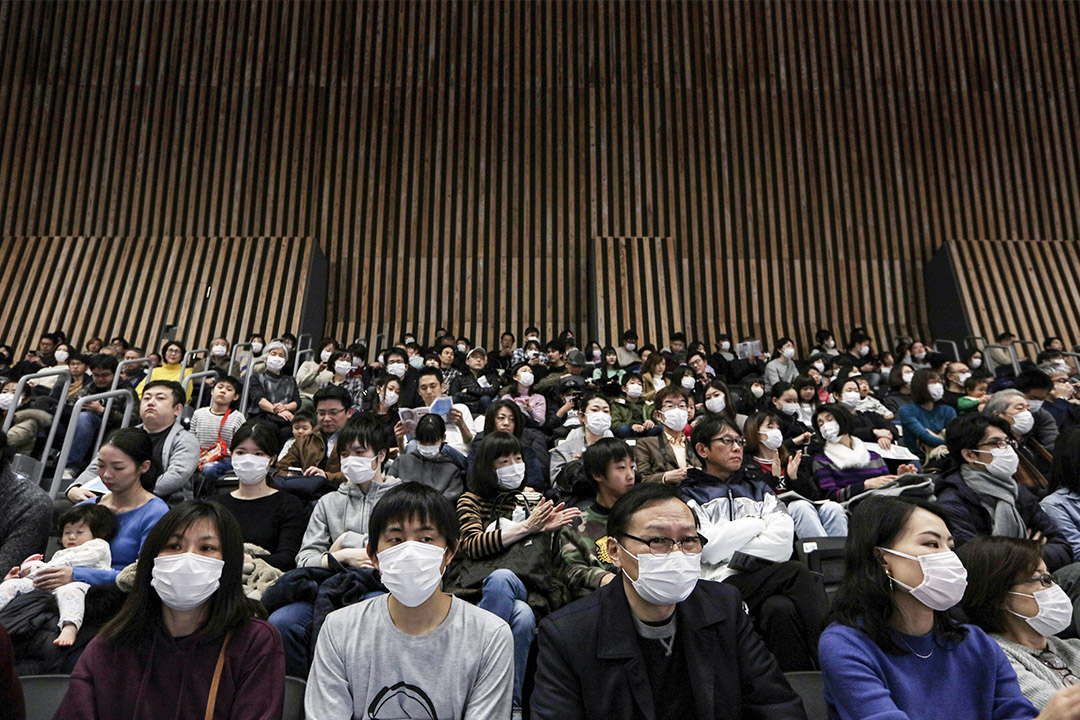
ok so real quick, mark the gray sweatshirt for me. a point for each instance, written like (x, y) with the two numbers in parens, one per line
(345, 511)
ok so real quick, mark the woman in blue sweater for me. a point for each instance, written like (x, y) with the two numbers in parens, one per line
(893, 653)
(925, 417)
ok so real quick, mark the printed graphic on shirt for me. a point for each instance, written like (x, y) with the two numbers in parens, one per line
(601, 550)
(401, 701)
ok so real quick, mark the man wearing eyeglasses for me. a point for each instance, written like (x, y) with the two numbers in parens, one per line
(657, 642)
(750, 541)
(317, 455)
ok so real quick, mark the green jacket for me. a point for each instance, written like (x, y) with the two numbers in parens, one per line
(581, 542)
(630, 412)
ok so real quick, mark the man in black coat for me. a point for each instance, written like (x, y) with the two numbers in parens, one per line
(655, 642)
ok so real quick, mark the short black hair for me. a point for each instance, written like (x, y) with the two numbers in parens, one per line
(1033, 379)
(483, 480)
(417, 502)
(965, 432)
(707, 426)
(365, 431)
(1066, 469)
(430, 428)
(637, 497)
(237, 386)
(432, 371)
(556, 345)
(332, 392)
(103, 362)
(99, 519)
(76, 356)
(305, 417)
(840, 414)
(598, 457)
(179, 396)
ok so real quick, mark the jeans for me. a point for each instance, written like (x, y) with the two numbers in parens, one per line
(293, 621)
(213, 471)
(86, 429)
(828, 519)
(504, 595)
(626, 431)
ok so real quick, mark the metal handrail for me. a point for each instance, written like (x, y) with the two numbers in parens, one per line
(115, 386)
(69, 436)
(991, 366)
(1038, 348)
(187, 357)
(232, 356)
(300, 354)
(247, 388)
(199, 376)
(955, 348)
(20, 388)
(985, 342)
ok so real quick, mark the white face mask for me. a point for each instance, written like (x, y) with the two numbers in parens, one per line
(633, 390)
(356, 362)
(1004, 464)
(687, 382)
(511, 476)
(830, 431)
(936, 390)
(757, 391)
(250, 469)
(416, 361)
(597, 423)
(850, 398)
(772, 439)
(1035, 405)
(5, 401)
(525, 379)
(596, 354)
(716, 404)
(675, 419)
(819, 366)
(256, 347)
(789, 408)
(461, 347)
(962, 378)
(1055, 611)
(342, 367)
(397, 369)
(919, 356)
(61, 356)
(631, 346)
(944, 579)
(411, 571)
(275, 363)
(831, 344)
(789, 353)
(666, 579)
(325, 355)
(390, 398)
(186, 581)
(218, 351)
(1023, 422)
(907, 377)
(358, 470)
(864, 350)
(428, 451)
(976, 362)
(725, 346)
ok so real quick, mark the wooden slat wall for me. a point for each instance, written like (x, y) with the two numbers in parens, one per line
(1024, 287)
(456, 160)
(134, 287)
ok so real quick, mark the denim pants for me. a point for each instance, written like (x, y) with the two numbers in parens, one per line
(86, 430)
(504, 595)
(828, 519)
(293, 621)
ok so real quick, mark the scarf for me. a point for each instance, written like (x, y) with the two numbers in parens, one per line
(846, 458)
(998, 497)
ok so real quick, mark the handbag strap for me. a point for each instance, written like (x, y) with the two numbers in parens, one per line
(500, 499)
(212, 700)
(222, 425)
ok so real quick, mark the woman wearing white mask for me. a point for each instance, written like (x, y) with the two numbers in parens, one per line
(979, 493)
(187, 643)
(900, 378)
(381, 403)
(667, 456)
(782, 367)
(925, 418)
(1012, 596)
(273, 395)
(846, 467)
(594, 412)
(893, 651)
(431, 461)
(868, 426)
(784, 401)
(272, 520)
(316, 371)
(532, 404)
(346, 375)
(718, 401)
(497, 512)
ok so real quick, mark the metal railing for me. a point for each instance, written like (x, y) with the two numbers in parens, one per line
(20, 388)
(955, 348)
(202, 386)
(235, 353)
(975, 345)
(69, 436)
(117, 377)
(991, 365)
(1038, 348)
(299, 356)
(205, 352)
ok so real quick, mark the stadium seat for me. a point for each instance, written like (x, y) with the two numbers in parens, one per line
(294, 699)
(43, 695)
(824, 555)
(808, 685)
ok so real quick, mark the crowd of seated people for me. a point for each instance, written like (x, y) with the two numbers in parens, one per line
(407, 527)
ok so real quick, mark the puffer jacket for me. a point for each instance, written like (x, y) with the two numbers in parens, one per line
(346, 511)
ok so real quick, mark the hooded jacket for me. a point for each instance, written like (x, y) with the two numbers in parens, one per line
(445, 472)
(347, 511)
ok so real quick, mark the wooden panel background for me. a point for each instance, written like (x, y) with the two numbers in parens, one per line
(1021, 286)
(456, 160)
(134, 287)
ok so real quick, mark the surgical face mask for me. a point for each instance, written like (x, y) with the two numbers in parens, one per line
(597, 423)
(186, 581)
(1004, 464)
(631, 346)
(831, 343)
(716, 404)
(757, 391)
(633, 390)
(725, 346)
(936, 390)
(864, 350)
(510, 477)
(428, 451)
(919, 356)
(5, 401)
(789, 408)
(944, 579)
(275, 362)
(675, 419)
(358, 470)
(461, 347)
(325, 355)
(596, 354)
(789, 353)
(356, 362)
(772, 439)
(397, 369)
(1055, 611)
(687, 382)
(216, 351)
(61, 356)
(1023, 422)
(819, 366)
(256, 347)
(830, 431)
(907, 377)
(850, 398)
(390, 398)
(411, 571)
(666, 579)
(416, 361)
(250, 469)
(525, 379)
(976, 362)
(1035, 405)
(343, 367)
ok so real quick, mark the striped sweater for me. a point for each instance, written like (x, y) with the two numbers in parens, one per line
(475, 514)
(843, 481)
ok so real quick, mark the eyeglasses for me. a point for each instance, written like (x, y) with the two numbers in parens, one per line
(1045, 580)
(729, 440)
(1055, 663)
(329, 413)
(998, 443)
(691, 545)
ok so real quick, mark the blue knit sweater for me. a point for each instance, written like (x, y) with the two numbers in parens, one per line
(132, 528)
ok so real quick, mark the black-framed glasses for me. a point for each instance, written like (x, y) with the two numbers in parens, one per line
(730, 441)
(998, 443)
(1055, 663)
(1046, 580)
(691, 544)
(329, 413)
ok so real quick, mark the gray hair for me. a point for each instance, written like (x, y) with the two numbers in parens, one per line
(999, 402)
(1054, 367)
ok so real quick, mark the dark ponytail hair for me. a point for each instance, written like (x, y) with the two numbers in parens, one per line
(137, 445)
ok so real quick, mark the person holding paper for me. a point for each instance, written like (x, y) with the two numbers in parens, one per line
(458, 417)
(478, 386)
(846, 467)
